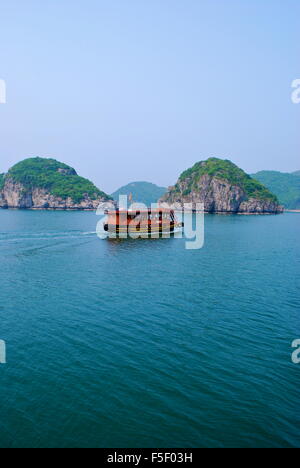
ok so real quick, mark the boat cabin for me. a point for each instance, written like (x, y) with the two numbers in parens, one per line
(149, 221)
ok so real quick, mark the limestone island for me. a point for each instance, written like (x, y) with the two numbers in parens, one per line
(223, 188)
(41, 184)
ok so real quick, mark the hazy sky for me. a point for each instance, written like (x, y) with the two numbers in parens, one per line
(128, 90)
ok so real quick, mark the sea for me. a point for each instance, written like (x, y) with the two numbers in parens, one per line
(144, 343)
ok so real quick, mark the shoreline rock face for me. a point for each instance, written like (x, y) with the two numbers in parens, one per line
(17, 195)
(219, 195)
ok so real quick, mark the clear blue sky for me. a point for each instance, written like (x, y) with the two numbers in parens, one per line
(128, 90)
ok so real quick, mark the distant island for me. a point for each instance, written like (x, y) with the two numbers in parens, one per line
(141, 192)
(39, 183)
(285, 186)
(223, 188)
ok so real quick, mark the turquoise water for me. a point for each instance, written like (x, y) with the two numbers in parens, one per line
(145, 344)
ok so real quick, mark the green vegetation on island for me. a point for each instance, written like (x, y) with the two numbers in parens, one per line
(286, 186)
(229, 172)
(57, 178)
(2, 179)
(142, 192)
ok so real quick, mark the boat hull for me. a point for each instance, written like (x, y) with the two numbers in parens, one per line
(143, 230)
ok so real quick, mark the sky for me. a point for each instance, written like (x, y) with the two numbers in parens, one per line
(127, 90)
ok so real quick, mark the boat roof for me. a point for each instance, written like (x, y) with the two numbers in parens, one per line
(150, 210)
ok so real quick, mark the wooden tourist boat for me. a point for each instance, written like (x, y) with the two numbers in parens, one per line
(144, 222)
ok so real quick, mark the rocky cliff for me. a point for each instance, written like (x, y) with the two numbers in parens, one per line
(39, 183)
(223, 188)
